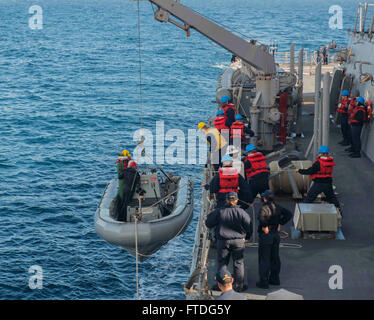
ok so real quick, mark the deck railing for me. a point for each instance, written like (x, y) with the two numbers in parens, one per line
(362, 12)
(309, 57)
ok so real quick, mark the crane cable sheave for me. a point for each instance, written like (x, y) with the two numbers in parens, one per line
(250, 53)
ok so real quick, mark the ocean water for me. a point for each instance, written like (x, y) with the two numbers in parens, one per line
(69, 102)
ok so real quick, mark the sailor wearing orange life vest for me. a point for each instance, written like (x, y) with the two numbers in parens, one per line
(228, 110)
(321, 174)
(238, 129)
(256, 170)
(343, 110)
(228, 180)
(356, 120)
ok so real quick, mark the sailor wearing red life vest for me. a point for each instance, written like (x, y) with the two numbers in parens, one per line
(321, 174)
(353, 97)
(220, 121)
(130, 178)
(228, 180)
(256, 170)
(228, 110)
(238, 130)
(343, 107)
(357, 119)
(123, 159)
(121, 165)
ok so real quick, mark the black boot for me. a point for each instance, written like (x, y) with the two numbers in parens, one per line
(355, 155)
(350, 149)
(274, 281)
(262, 285)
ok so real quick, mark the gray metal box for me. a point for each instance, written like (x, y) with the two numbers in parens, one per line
(316, 217)
(148, 214)
(151, 185)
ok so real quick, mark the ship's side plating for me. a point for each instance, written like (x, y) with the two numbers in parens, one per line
(360, 66)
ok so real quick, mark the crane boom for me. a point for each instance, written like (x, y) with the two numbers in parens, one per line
(248, 52)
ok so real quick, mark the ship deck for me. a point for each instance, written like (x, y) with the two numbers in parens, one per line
(305, 270)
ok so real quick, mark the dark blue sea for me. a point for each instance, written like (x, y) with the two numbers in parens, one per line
(69, 103)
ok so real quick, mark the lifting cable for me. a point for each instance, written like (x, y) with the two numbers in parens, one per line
(141, 126)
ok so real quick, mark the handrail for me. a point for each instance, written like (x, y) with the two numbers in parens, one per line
(361, 14)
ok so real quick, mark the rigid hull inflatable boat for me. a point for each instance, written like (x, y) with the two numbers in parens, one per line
(163, 210)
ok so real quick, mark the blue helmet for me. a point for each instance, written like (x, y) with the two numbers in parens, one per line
(323, 149)
(238, 117)
(249, 147)
(220, 112)
(226, 158)
(224, 99)
(360, 100)
(345, 93)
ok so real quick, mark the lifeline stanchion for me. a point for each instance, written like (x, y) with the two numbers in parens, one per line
(254, 225)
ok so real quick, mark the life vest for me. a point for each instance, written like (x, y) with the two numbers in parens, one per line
(258, 164)
(220, 123)
(355, 110)
(343, 106)
(228, 180)
(227, 107)
(326, 167)
(351, 105)
(369, 111)
(237, 130)
(125, 162)
(220, 140)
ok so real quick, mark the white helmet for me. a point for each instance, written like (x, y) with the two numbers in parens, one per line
(232, 150)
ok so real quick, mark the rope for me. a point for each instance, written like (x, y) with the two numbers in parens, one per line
(141, 126)
(179, 231)
(148, 255)
(140, 70)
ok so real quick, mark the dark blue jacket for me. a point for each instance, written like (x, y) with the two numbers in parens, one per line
(278, 216)
(230, 223)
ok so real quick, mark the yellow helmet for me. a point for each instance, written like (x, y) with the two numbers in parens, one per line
(201, 125)
(125, 153)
